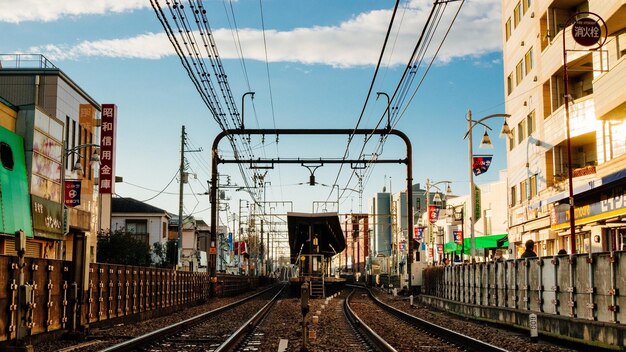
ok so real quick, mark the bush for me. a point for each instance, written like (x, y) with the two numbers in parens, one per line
(120, 247)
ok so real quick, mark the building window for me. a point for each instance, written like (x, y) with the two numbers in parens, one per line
(523, 191)
(521, 131)
(519, 72)
(533, 186)
(531, 123)
(6, 154)
(513, 195)
(526, 5)
(517, 15)
(509, 84)
(67, 138)
(507, 28)
(620, 44)
(137, 226)
(528, 61)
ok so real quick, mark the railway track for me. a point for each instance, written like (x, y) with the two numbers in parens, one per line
(389, 329)
(217, 330)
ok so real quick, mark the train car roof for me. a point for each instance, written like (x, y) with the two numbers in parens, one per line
(325, 226)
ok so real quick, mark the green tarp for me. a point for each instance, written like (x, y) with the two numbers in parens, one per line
(481, 242)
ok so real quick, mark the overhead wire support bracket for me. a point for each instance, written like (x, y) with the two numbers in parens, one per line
(216, 160)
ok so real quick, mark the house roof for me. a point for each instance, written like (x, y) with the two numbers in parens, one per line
(130, 205)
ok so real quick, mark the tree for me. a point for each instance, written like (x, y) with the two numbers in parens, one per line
(120, 247)
(166, 255)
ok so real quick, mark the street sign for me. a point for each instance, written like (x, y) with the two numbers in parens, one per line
(586, 31)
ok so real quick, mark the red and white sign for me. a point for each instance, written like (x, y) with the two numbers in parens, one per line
(107, 148)
(71, 191)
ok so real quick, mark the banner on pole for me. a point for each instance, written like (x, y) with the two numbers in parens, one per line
(481, 163)
(418, 233)
(433, 213)
(458, 236)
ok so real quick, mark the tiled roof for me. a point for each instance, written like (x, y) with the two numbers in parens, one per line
(130, 205)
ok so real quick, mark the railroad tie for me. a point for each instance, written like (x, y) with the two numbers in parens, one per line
(282, 345)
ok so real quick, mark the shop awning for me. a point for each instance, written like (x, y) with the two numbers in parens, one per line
(481, 242)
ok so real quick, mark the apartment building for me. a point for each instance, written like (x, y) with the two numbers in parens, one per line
(58, 123)
(535, 33)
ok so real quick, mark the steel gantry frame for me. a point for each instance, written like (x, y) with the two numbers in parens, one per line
(216, 160)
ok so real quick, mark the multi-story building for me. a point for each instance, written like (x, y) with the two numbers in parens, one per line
(535, 42)
(354, 257)
(58, 123)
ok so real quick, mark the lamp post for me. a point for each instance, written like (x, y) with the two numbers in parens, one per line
(486, 142)
(80, 267)
(436, 198)
(582, 38)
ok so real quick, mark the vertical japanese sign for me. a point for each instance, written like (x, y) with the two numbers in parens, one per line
(107, 148)
(440, 248)
(477, 210)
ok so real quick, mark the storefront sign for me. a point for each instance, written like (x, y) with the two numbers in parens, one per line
(608, 204)
(47, 215)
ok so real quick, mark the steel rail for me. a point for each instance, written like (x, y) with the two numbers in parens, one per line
(159, 334)
(248, 327)
(444, 333)
(372, 337)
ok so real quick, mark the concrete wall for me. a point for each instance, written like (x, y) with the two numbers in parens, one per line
(576, 296)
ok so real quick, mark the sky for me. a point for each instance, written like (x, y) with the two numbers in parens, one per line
(310, 64)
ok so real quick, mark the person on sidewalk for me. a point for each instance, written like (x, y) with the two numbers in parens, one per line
(529, 252)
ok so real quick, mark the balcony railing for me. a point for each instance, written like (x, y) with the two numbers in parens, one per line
(25, 61)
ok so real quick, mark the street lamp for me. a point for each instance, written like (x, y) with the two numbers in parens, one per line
(78, 166)
(436, 199)
(485, 143)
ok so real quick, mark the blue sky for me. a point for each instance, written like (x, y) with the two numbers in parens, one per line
(321, 57)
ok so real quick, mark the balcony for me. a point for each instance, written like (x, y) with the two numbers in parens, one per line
(582, 121)
(613, 12)
(610, 101)
(552, 56)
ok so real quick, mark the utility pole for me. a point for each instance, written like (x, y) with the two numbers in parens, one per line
(179, 240)
(183, 178)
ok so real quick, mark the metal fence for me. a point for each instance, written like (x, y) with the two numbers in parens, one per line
(581, 286)
(48, 300)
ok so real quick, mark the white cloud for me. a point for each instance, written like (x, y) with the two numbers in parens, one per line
(46, 10)
(355, 42)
